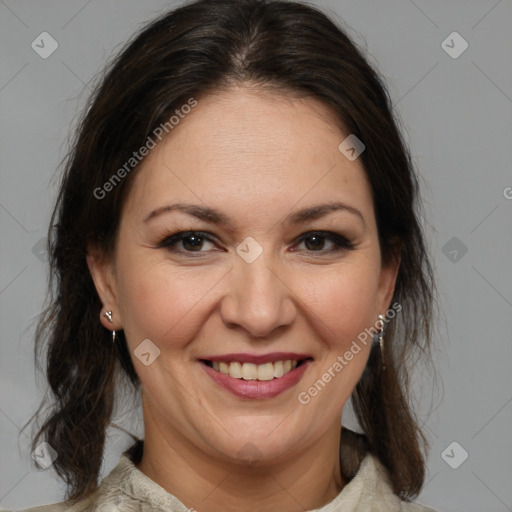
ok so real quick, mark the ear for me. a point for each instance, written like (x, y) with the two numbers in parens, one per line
(103, 275)
(388, 275)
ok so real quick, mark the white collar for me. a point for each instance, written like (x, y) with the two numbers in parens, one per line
(126, 486)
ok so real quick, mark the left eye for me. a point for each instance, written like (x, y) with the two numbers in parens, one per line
(316, 241)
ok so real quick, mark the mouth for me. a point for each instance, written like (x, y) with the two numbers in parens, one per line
(262, 379)
(251, 371)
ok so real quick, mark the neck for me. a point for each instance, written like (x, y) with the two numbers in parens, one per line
(305, 482)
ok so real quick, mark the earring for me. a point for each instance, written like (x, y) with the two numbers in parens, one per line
(108, 314)
(383, 321)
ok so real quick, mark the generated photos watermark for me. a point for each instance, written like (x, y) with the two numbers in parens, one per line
(305, 397)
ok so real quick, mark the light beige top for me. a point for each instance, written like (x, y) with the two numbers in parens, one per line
(127, 489)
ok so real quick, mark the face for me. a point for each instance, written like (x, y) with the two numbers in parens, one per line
(266, 276)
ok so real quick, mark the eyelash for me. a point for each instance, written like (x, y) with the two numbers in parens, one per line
(339, 241)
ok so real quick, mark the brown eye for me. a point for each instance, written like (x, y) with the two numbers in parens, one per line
(191, 241)
(316, 242)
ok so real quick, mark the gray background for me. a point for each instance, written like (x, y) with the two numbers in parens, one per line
(457, 120)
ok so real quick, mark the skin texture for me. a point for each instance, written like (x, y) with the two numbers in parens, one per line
(257, 156)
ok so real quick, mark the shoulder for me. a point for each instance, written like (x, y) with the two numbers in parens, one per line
(368, 485)
(86, 504)
(116, 489)
(382, 491)
(415, 507)
(64, 506)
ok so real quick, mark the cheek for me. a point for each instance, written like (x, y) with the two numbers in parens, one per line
(341, 306)
(343, 300)
(160, 303)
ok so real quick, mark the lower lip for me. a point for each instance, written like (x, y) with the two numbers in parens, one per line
(257, 389)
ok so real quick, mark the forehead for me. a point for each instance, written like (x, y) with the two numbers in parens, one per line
(251, 150)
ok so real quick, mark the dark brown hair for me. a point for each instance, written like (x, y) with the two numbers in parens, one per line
(196, 49)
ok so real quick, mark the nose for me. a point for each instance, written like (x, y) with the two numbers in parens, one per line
(258, 299)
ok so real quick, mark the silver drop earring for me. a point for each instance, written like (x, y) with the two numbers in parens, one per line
(383, 321)
(108, 314)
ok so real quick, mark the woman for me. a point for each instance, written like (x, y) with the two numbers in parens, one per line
(237, 232)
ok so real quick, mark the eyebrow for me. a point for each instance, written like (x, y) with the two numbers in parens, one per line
(213, 216)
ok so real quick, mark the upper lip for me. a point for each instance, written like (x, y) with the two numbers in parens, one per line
(258, 359)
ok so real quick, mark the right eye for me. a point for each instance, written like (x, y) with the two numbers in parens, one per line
(191, 242)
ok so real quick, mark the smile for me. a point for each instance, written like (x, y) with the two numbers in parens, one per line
(251, 380)
(251, 371)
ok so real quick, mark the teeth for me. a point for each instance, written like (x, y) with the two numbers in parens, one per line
(251, 371)
(278, 369)
(235, 370)
(266, 371)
